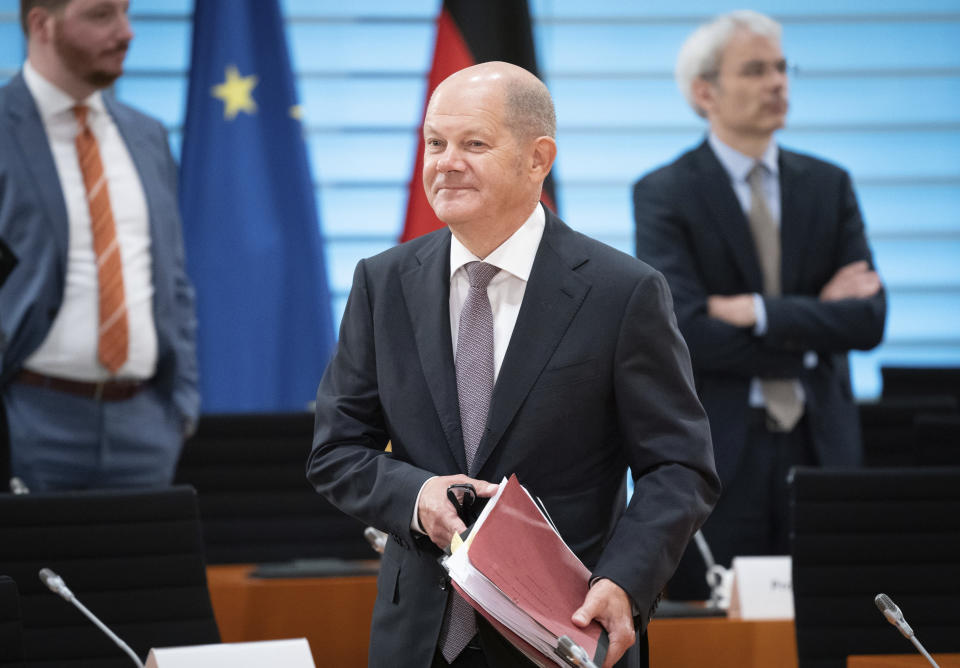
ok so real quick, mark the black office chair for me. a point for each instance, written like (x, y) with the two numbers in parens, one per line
(909, 381)
(888, 427)
(859, 533)
(256, 504)
(936, 440)
(11, 628)
(134, 558)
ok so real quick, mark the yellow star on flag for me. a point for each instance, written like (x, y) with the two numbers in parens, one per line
(236, 93)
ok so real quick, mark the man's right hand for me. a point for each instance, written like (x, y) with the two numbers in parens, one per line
(853, 281)
(437, 515)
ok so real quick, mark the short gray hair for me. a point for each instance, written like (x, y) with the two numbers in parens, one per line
(528, 108)
(699, 56)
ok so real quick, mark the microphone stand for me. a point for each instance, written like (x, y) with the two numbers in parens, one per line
(56, 584)
(920, 648)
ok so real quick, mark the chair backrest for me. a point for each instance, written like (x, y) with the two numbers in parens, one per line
(899, 381)
(888, 427)
(936, 440)
(859, 533)
(133, 557)
(11, 628)
(256, 504)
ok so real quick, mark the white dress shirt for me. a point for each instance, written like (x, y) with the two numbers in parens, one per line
(70, 348)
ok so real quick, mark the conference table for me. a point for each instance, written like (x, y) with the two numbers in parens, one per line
(333, 614)
(902, 661)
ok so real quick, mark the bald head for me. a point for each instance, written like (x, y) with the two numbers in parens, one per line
(488, 146)
(527, 106)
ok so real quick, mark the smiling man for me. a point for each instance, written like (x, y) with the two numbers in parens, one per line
(97, 324)
(508, 343)
(773, 282)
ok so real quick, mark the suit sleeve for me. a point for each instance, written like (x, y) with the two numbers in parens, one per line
(348, 464)
(667, 442)
(799, 322)
(664, 241)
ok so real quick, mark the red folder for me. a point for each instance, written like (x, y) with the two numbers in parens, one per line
(515, 546)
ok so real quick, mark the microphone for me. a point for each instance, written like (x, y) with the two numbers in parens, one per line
(56, 584)
(376, 538)
(17, 486)
(718, 577)
(890, 610)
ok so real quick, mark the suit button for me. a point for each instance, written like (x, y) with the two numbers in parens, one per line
(443, 584)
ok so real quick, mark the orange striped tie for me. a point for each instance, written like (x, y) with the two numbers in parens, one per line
(114, 333)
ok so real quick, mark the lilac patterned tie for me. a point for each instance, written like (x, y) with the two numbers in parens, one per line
(474, 362)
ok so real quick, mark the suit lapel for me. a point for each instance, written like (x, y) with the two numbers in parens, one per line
(794, 202)
(553, 296)
(726, 213)
(426, 289)
(38, 159)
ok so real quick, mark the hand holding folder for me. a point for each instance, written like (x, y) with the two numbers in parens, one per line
(515, 570)
(436, 514)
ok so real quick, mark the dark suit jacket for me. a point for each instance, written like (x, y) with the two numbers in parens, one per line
(691, 227)
(33, 222)
(596, 378)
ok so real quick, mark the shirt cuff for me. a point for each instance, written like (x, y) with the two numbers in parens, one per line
(760, 311)
(415, 520)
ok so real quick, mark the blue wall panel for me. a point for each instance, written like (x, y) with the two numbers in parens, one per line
(928, 211)
(362, 47)
(159, 46)
(363, 156)
(358, 103)
(11, 46)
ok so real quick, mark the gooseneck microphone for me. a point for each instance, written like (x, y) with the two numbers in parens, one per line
(56, 584)
(716, 574)
(895, 617)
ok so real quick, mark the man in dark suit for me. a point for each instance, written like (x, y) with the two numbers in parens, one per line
(508, 343)
(773, 283)
(98, 372)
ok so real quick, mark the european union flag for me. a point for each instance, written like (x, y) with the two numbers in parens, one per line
(252, 235)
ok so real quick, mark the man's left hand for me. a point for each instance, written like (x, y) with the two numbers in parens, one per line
(607, 603)
(736, 310)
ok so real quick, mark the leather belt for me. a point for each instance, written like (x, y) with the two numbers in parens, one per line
(108, 390)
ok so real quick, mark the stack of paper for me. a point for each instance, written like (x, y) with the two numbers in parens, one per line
(515, 570)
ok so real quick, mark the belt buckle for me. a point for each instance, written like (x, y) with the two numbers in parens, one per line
(98, 390)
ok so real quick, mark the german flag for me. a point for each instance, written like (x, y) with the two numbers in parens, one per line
(471, 32)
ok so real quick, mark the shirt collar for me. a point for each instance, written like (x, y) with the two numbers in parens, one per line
(737, 164)
(514, 256)
(50, 100)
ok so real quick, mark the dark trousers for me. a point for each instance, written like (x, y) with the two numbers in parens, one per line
(490, 650)
(752, 516)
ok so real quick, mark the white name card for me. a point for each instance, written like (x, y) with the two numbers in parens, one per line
(267, 654)
(762, 588)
